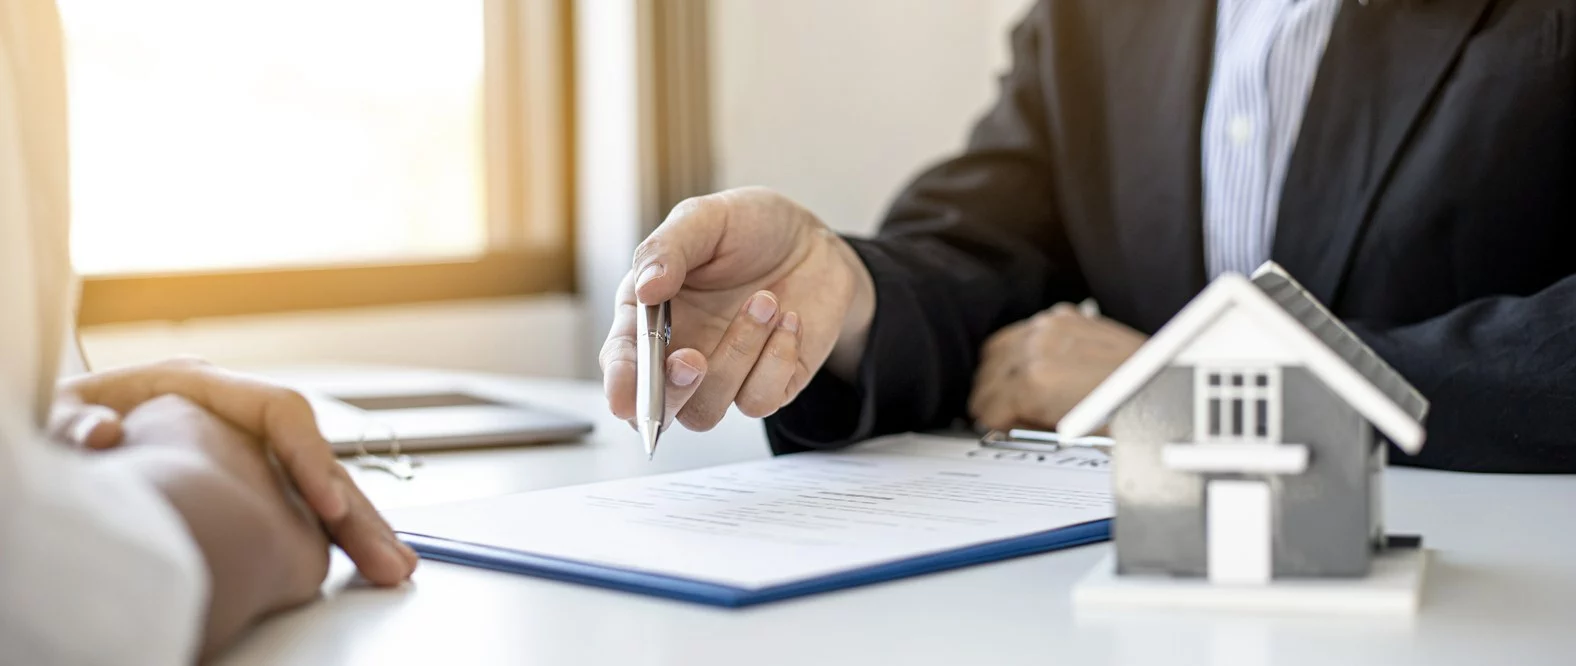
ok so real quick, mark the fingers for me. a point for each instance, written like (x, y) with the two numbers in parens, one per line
(618, 353)
(769, 383)
(992, 376)
(993, 407)
(686, 369)
(99, 428)
(284, 419)
(998, 399)
(367, 539)
(91, 426)
(686, 239)
(618, 376)
(279, 416)
(1066, 324)
(1001, 376)
(124, 389)
(1034, 371)
(1002, 349)
(731, 362)
(1002, 354)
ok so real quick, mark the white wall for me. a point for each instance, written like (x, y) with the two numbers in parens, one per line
(839, 102)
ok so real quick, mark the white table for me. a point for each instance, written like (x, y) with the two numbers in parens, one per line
(1501, 588)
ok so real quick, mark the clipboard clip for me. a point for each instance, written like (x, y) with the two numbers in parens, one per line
(1042, 441)
(399, 465)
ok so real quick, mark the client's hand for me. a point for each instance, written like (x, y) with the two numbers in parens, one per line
(1033, 372)
(263, 547)
(87, 410)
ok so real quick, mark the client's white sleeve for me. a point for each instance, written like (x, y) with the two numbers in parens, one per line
(95, 567)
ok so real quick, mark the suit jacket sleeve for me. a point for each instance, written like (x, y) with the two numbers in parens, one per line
(1500, 375)
(971, 245)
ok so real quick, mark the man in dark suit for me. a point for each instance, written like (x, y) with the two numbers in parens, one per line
(1412, 162)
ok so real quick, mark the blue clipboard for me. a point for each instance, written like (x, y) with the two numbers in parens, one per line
(716, 594)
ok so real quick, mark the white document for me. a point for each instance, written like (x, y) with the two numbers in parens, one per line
(763, 523)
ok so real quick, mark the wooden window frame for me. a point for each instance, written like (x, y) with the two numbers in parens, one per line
(528, 100)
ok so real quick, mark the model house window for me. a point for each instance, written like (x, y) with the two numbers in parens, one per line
(1238, 405)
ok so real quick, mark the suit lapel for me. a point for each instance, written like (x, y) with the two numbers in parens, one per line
(1158, 76)
(1384, 63)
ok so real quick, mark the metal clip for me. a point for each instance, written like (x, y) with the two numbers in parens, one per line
(400, 466)
(1038, 441)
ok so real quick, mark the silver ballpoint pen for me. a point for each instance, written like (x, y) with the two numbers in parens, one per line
(651, 378)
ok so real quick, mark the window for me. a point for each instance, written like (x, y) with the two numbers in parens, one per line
(1237, 405)
(248, 156)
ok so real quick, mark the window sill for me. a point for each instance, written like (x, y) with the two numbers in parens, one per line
(119, 299)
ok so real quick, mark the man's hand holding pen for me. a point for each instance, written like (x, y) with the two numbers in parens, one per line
(759, 293)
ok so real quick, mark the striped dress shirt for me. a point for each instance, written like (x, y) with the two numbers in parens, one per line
(1267, 53)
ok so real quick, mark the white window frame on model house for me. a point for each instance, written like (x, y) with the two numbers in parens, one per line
(1255, 390)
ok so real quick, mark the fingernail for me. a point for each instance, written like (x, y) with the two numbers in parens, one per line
(682, 374)
(83, 430)
(791, 322)
(410, 553)
(762, 307)
(651, 272)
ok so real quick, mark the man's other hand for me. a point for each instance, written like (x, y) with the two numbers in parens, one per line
(1033, 372)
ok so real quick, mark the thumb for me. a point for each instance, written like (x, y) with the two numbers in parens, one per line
(90, 426)
(687, 239)
(99, 428)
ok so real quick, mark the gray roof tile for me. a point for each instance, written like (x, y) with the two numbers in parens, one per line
(1302, 306)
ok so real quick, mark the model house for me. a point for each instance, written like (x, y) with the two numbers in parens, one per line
(1250, 437)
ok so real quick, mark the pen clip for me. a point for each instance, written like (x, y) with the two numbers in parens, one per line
(655, 322)
(1020, 439)
(665, 322)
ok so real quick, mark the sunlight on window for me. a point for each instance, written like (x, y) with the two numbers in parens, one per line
(247, 133)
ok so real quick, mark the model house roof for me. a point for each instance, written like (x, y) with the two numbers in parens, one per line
(1284, 310)
(1312, 314)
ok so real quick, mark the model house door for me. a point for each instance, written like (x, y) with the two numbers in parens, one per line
(1238, 526)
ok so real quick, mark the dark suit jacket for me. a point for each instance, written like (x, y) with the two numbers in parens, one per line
(1430, 201)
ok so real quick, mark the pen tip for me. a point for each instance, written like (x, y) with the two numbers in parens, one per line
(649, 430)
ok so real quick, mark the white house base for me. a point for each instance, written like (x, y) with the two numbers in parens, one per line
(1394, 587)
